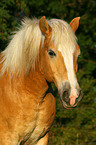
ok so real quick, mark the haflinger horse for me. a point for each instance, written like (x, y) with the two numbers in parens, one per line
(40, 52)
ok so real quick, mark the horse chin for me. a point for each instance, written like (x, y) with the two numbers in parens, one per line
(66, 106)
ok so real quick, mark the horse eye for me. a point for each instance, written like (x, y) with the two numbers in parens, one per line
(51, 53)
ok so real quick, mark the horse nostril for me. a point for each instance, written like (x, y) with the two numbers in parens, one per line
(65, 96)
(65, 93)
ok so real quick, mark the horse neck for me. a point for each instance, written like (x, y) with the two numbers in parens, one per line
(35, 83)
(21, 90)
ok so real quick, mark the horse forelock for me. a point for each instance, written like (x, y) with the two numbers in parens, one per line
(22, 53)
(63, 35)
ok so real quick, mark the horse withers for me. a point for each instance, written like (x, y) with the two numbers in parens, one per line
(40, 52)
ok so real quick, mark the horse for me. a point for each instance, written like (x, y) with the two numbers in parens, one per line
(39, 53)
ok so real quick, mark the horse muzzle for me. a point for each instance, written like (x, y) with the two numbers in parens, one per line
(70, 96)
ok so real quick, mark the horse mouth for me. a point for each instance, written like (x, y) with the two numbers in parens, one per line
(67, 104)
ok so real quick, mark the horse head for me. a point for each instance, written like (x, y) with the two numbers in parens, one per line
(59, 64)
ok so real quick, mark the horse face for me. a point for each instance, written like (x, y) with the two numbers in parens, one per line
(69, 90)
(59, 69)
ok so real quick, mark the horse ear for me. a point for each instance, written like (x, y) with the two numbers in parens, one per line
(45, 27)
(75, 24)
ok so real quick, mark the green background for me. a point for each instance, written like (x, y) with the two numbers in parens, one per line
(76, 126)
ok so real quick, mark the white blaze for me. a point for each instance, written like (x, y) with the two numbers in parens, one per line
(68, 61)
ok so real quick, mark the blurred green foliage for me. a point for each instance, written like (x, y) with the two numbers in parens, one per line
(76, 126)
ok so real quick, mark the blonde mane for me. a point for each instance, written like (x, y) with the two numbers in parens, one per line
(22, 53)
